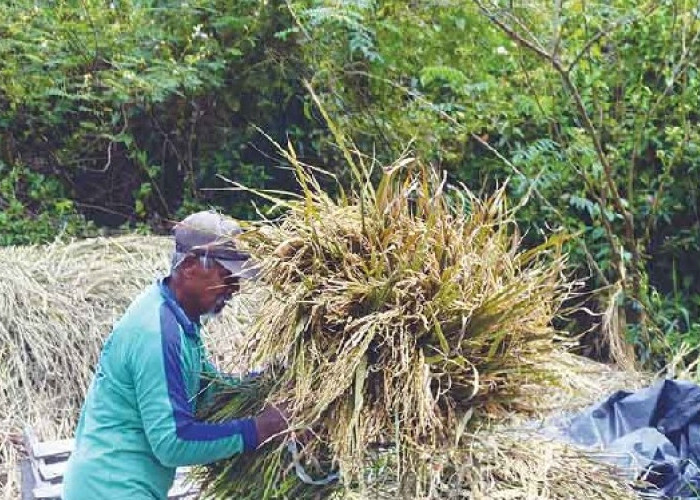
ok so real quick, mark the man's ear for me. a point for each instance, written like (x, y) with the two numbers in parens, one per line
(189, 265)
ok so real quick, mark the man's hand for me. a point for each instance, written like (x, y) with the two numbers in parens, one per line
(271, 421)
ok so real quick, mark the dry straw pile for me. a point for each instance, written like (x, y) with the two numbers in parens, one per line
(57, 304)
(401, 319)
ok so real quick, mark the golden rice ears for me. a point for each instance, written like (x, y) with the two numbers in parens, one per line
(401, 311)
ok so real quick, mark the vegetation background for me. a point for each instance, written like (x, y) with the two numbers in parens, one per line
(124, 115)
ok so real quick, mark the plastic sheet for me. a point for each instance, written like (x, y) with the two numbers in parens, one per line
(653, 433)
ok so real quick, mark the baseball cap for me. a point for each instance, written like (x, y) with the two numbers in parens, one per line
(211, 234)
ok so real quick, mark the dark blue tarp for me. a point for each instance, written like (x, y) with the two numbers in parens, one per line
(654, 431)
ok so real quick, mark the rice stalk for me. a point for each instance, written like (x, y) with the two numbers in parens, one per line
(613, 326)
(397, 314)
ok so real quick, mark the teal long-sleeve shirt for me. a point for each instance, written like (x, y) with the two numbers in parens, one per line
(138, 420)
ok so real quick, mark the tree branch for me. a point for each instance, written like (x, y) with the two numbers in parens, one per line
(592, 132)
(513, 34)
(578, 101)
(558, 28)
(602, 34)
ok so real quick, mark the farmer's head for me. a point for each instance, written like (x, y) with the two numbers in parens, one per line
(207, 266)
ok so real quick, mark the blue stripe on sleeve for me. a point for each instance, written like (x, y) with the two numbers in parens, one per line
(187, 426)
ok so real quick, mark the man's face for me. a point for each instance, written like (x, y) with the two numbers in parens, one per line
(211, 286)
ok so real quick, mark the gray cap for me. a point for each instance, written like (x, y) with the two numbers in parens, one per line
(211, 234)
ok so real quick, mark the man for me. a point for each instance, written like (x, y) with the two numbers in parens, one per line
(138, 421)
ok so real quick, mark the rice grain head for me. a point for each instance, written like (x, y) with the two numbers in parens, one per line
(397, 311)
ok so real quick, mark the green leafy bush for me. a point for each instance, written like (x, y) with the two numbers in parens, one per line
(34, 208)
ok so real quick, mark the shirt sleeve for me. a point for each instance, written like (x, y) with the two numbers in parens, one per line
(176, 436)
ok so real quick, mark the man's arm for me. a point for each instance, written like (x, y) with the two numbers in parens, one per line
(176, 437)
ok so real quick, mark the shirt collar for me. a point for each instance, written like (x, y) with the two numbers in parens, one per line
(190, 327)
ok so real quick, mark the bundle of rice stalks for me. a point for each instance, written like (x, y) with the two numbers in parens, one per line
(493, 463)
(400, 316)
